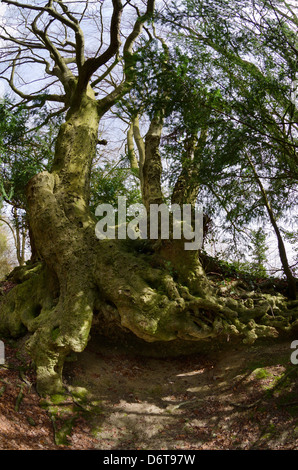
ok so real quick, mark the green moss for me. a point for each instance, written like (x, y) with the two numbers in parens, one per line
(62, 430)
(96, 432)
(57, 398)
(155, 391)
(24, 273)
(261, 373)
(293, 410)
(55, 333)
(31, 421)
(80, 393)
(272, 427)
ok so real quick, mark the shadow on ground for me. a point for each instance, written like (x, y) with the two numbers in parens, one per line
(243, 398)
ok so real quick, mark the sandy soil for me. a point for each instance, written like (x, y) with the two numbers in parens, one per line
(245, 398)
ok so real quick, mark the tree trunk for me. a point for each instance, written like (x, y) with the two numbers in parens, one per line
(292, 290)
(60, 219)
(152, 168)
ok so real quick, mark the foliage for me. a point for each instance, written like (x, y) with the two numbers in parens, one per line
(25, 150)
(259, 252)
(110, 181)
(5, 257)
(244, 54)
(23, 153)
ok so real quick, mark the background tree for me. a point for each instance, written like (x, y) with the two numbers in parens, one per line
(25, 150)
(6, 261)
(253, 55)
(259, 253)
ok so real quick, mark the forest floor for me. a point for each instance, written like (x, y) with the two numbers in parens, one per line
(244, 398)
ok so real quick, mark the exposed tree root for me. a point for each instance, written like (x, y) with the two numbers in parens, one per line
(130, 294)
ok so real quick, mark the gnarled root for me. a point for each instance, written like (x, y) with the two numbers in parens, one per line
(129, 293)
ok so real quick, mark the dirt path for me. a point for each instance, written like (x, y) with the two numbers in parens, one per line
(246, 398)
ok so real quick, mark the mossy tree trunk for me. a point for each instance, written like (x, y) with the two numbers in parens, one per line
(61, 224)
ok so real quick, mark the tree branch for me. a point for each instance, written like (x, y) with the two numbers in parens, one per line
(108, 101)
(93, 64)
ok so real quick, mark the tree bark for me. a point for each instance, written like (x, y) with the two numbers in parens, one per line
(59, 219)
(152, 168)
(292, 290)
(134, 165)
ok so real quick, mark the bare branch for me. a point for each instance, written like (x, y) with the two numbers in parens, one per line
(66, 61)
(109, 100)
(91, 65)
(105, 74)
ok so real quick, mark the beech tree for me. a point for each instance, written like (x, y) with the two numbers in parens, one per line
(154, 289)
(5, 255)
